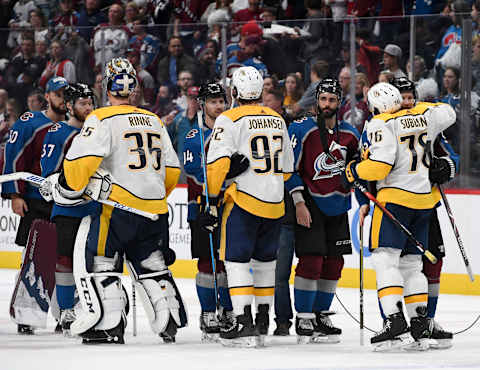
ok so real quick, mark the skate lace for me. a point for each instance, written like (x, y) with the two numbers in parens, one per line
(210, 319)
(387, 326)
(305, 324)
(325, 320)
(68, 316)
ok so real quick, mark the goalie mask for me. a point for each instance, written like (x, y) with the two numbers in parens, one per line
(120, 77)
(384, 98)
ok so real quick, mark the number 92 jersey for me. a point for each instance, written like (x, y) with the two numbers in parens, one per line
(133, 145)
(395, 147)
(261, 135)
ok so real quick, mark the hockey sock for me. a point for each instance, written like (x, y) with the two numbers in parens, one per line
(304, 292)
(240, 285)
(224, 295)
(65, 283)
(325, 293)
(415, 283)
(263, 281)
(389, 278)
(433, 290)
(205, 291)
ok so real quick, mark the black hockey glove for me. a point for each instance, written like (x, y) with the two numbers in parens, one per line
(238, 165)
(441, 170)
(208, 217)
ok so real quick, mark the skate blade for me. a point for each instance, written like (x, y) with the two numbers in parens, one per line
(210, 337)
(242, 342)
(440, 343)
(260, 341)
(418, 345)
(329, 339)
(303, 339)
(393, 345)
(68, 334)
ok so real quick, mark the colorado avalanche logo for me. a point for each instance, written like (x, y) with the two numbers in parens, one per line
(325, 167)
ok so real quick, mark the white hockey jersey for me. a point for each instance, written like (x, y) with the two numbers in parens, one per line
(133, 145)
(395, 147)
(261, 135)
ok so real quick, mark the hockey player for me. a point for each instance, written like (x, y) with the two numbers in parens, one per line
(253, 203)
(213, 100)
(79, 101)
(449, 163)
(123, 153)
(321, 146)
(22, 153)
(394, 157)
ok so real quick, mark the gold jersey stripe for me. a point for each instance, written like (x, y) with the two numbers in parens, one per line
(408, 199)
(263, 292)
(394, 290)
(105, 218)
(249, 110)
(373, 170)
(172, 175)
(416, 298)
(156, 206)
(107, 112)
(375, 228)
(248, 290)
(253, 205)
(78, 171)
(216, 173)
(227, 209)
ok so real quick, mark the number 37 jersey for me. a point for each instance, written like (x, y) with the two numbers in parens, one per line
(261, 135)
(133, 145)
(395, 145)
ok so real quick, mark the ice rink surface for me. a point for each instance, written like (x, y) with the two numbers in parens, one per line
(48, 351)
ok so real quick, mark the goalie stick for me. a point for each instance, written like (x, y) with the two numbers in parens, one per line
(38, 181)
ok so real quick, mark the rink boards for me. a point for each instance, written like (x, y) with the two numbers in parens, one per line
(465, 205)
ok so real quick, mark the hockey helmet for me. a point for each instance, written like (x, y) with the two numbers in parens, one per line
(248, 83)
(403, 84)
(77, 90)
(211, 90)
(329, 85)
(384, 98)
(120, 77)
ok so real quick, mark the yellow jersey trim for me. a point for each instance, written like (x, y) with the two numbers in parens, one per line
(371, 170)
(253, 205)
(249, 110)
(416, 110)
(263, 292)
(114, 110)
(172, 174)
(216, 173)
(408, 199)
(123, 196)
(78, 171)
(241, 291)
(227, 209)
(416, 298)
(375, 228)
(105, 218)
(393, 290)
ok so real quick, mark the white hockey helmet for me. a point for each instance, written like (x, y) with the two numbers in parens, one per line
(384, 98)
(120, 77)
(248, 83)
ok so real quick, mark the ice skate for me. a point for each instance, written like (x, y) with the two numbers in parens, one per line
(241, 332)
(323, 329)
(304, 327)
(66, 318)
(420, 329)
(25, 329)
(394, 334)
(168, 335)
(262, 323)
(109, 336)
(439, 338)
(210, 327)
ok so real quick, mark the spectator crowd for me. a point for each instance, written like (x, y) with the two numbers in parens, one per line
(176, 45)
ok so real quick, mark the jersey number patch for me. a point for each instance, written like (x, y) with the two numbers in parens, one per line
(153, 152)
(261, 149)
(415, 142)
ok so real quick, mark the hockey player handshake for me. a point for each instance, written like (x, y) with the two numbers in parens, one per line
(253, 203)
(124, 154)
(395, 142)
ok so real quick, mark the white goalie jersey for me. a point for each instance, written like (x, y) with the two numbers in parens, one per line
(261, 135)
(131, 144)
(395, 144)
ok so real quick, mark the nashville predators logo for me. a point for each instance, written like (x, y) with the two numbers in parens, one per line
(326, 167)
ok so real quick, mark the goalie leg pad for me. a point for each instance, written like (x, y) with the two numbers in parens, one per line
(389, 278)
(415, 287)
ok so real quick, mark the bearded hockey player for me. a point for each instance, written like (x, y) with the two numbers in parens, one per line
(213, 100)
(79, 101)
(321, 146)
(448, 163)
(123, 153)
(253, 203)
(394, 150)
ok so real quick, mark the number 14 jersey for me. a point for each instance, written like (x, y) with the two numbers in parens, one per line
(261, 135)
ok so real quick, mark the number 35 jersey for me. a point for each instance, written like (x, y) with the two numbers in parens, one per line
(261, 135)
(395, 147)
(133, 145)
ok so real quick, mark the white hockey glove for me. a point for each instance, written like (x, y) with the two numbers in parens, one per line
(100, 185)
(59, 194)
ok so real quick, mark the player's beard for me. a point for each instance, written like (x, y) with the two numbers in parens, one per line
(58, 109)
(328, 113)
(79, 116)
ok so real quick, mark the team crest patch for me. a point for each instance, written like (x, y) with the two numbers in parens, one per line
(325, 167)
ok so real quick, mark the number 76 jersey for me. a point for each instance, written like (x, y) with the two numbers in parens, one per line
(261, 135)
(395, 147)
(133, 145)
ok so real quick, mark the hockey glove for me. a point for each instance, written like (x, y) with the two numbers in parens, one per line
(61, 192)
(349, 175)
(208, 217)
(100, 185)
(238, 165)
(441, 170)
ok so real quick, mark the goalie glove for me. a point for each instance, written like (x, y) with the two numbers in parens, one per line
(208, 217)
(238, 165)
(100, 185)
(441, 170)
(55, 188)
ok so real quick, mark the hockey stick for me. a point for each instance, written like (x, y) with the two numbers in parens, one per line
(361, 287)
(38, 181)
(200, 117)
(389, 214)
(134, 309)
(463, 252)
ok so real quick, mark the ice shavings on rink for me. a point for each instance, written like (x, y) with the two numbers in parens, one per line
(47, 351)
